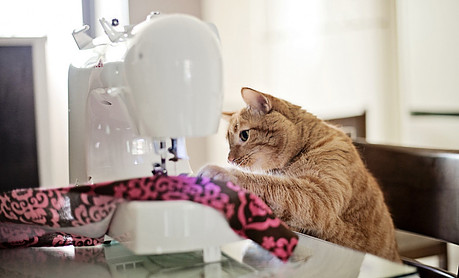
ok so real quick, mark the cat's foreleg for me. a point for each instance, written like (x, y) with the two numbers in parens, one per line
(308, 203)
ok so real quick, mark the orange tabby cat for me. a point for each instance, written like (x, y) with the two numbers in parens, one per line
(308, 172)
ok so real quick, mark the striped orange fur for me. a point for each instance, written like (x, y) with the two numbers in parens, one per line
(308, 172)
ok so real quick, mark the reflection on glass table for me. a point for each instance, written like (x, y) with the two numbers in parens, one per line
(312, 258)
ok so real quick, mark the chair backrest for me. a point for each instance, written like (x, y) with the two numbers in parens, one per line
(421, 187)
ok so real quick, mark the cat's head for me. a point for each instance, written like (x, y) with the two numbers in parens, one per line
(263, 135)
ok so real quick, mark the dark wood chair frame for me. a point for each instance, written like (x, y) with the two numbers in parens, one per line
(421, 188)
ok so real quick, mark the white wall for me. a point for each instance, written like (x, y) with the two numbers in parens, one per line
(139, 9)
(428, 43)
(334, 58)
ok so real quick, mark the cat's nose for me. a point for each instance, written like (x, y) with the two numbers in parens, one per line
(231, 158)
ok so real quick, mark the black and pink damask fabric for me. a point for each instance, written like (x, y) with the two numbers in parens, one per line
(48, 217)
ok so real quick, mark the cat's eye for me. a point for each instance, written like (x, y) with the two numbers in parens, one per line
(244, 135)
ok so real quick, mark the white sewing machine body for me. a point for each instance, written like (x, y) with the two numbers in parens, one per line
(157, 80)
(129, 93)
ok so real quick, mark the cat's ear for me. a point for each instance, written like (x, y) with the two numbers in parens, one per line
(256, 100)
(227, 115)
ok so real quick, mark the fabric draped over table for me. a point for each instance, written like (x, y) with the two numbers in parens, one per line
(43, 217)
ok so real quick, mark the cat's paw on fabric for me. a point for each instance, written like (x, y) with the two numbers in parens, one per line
(216, 172)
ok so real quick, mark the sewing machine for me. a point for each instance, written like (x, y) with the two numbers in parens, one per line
(134, 96)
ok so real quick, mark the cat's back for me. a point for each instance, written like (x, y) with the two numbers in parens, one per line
(329, 154)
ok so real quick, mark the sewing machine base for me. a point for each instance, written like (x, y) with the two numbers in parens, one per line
(159, 227)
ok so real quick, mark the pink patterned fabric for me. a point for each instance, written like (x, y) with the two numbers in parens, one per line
(37, 217)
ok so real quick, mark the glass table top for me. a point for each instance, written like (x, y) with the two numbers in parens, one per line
(312, 258)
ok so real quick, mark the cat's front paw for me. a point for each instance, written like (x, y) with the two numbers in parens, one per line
(216, 172)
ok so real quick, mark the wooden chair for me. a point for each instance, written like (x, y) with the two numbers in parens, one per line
(421, 187)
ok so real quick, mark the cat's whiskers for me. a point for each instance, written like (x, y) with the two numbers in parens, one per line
(243, 160)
